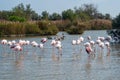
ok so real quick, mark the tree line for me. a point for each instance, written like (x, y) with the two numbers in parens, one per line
(73, 21)
(85, 12)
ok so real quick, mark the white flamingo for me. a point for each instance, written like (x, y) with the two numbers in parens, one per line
(74, 42)
(101, 38)
(92, 43)
(3, 42)
(107, 44)
(108, 38)
(41, 46)
(89, 37)
(13, 42)
(34, 44)
(59, 48)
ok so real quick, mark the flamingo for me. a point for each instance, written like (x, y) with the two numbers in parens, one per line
(34, 44)
(4, 42)
(41, 46)
(101, 38)
(27, 42)
(53, 42)
(9, 43)
(13, 42)
(108, 38)
(89, 37)
(101, 45)
(59, 47)
(43, 40)
(81, 39)
(17, 48)
(88, 48)
(107, 44)
(74, 42)
(92, 43)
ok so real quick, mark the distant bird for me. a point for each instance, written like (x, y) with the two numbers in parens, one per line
(27, 42)
(9, 43)
(34, 44)
(78, 42)
(107, 44)
(13, 42)
(92, 43)
(53, 42)
(17, 48)
(101, 45)
(101, 38)
(74, 42)
(81, 39)
(4, 41)
(98, 41)
(88, 48)
(108, 38)
(59, 47)
(89, 37)
(41, 46)
(43, 40)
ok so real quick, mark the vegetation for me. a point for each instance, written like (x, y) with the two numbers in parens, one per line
(31, 28)
(22, 20)
(116, 22)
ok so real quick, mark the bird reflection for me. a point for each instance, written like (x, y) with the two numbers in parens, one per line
(19, 58)
(88, 65)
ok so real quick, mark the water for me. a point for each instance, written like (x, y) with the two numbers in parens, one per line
(36, 64)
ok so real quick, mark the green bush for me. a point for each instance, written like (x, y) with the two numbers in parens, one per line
(17, 18)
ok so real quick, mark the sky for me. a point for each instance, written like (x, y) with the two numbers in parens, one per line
(103, 6)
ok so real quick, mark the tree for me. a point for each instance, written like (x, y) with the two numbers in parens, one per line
(4, 15)
(55, 16)
(19, 10)
(116, 22)
(35, 16)
(22, 11)
(90, 10)
(107, 16)
(68, 14)
(28, 12)
(45, 15)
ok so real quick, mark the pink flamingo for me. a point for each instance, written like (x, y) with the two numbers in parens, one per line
(43, 40)
(88, 48)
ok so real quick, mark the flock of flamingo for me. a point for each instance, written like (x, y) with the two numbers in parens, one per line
(56, 43)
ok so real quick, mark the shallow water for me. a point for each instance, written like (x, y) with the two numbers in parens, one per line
(74, 64)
